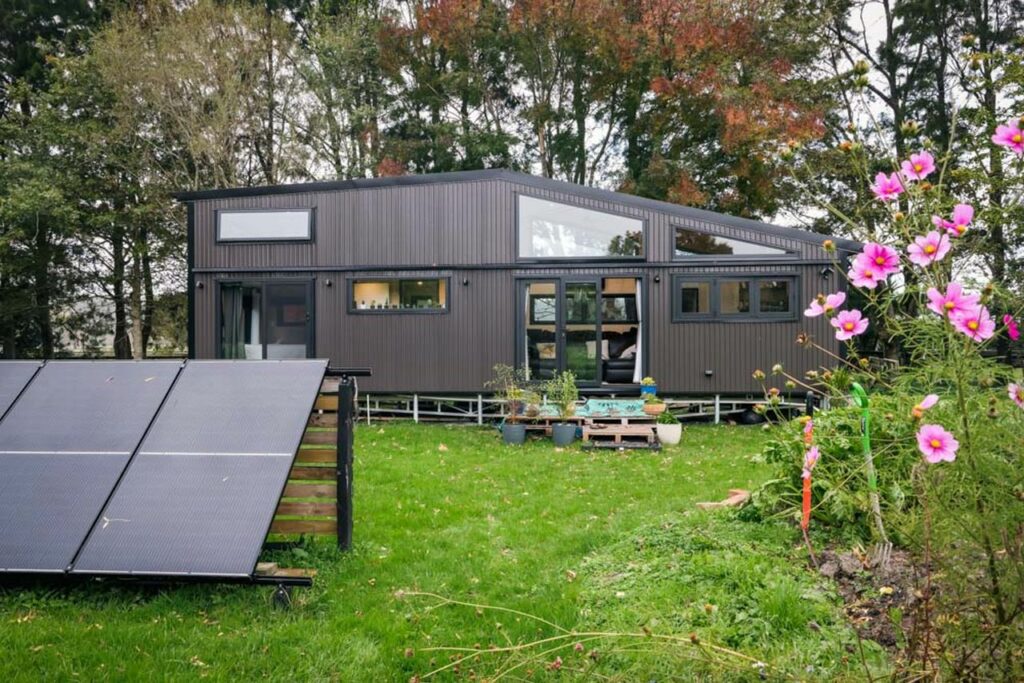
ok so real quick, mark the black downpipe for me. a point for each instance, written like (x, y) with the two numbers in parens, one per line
(346, 439)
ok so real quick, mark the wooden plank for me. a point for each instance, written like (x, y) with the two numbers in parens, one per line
(287, 572)
(310, 491)
(322, 455)
(294, 509)
(266, 567)
(313, 473)
(304, 526)
(320, 438)
(323, 420)
(326, 402)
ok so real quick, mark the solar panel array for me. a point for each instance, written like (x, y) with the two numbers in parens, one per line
(148, 468)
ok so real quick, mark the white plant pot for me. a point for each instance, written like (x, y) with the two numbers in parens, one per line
(670, 434)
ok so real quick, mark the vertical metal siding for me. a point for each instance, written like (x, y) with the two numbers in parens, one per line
(437, 228)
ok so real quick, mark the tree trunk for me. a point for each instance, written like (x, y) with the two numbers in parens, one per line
(42, 288)
(122, 345)
(135, 309)
(148, 303)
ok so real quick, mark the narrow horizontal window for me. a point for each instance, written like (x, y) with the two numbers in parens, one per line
(691, 243)
(260, 226)
(552, 230)
(733, 298)
(412, 295)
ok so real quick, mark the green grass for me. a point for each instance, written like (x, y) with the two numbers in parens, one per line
(449, 510)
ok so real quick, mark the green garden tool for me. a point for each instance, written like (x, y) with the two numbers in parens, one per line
(860, 399)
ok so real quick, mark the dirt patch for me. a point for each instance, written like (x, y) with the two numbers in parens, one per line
(875, 597)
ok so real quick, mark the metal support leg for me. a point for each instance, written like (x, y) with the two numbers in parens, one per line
(346, 438)
(415, 407)
(480, 409)
(718, 409)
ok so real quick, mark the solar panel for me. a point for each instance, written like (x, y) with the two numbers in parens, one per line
(199, 497)
(14, 375)
(63, 446)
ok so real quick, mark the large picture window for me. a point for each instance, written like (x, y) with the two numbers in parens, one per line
(399, 295)
(693, 243)
(733, 298)
(552, 230)
(264, 226)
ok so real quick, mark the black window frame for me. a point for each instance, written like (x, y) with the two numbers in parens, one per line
(754, 283)
(352, 281)
(644, 233)
(310, 212)
(788, 254)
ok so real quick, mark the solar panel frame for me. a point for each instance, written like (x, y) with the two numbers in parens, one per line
(52, 486)
(127, 545)
(15, 375)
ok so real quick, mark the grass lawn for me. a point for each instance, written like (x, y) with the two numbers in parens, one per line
(588, 540)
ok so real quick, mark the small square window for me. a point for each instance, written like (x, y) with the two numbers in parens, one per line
(774, 297)
(695, 298)
(734, 297)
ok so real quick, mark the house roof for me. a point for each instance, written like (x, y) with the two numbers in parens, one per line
(522, 179)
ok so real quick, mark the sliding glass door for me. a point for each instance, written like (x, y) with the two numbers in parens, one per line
(266, 320)
(589, 325)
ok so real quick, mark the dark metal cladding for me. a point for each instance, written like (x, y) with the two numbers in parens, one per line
(63, 446)
(187, 515)
(14, 375)
(199, 497)
(48, 502)
(87, 407)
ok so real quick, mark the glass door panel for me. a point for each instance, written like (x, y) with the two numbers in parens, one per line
(240, 326)
(541, 339)
(582, 333)
(288, 319)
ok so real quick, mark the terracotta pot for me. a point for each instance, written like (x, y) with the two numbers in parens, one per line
(654, 408)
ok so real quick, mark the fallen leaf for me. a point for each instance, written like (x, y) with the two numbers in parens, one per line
(442, 448)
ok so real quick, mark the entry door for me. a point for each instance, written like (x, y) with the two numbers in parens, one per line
(266, 320)
(562, 329)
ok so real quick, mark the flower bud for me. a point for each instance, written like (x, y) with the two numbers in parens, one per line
(773, 392)
(828, 245)
(967, 40)
(861, 67)
(899, 216)
(790, 384)
(925, 185)
(910, 128)
(759, 375)
(827, 375)
(993, 413)
(864, 363)
(777, 369)
(846, 146)
(976, 62)
(759, 408)
(851, 127)
(811, 375)
(860, 82)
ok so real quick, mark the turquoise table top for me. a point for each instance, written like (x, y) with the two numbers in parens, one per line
(602, 407)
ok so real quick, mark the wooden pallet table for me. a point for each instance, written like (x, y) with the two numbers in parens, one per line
(620, 436)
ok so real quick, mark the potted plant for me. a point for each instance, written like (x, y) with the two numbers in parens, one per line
(670, 430)
(562, 391)
(531, 401)
(653, 405)
(508, 387)
(648, 387)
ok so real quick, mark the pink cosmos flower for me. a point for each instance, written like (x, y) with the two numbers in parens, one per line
(953, 301)
(936, 444)
(1010, 136)
(1011, 327)
(849, 324)
(976, 323)
(885, 260)
(919, 167)
(929, 248)
(832, 302)
(810, 460)
(887, 188)
(926, 403)
(809, 432)
(1016, 394)
(963, 214)
(865, 274)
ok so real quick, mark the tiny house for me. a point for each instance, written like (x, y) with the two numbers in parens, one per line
(433, 279)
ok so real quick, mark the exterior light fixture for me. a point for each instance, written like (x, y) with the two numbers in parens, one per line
(465, 282)
(328, 283)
